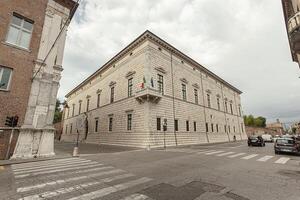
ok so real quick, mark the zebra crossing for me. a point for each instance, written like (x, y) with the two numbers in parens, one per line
(231, 154)
(74, 179)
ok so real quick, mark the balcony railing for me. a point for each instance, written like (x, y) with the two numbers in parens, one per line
(148, 94)
(294, 23)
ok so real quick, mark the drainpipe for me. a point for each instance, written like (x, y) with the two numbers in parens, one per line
(173, 98)
(204, 106)
(225, 114)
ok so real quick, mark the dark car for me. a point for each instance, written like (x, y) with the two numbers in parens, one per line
(286, 144)
(256, 141)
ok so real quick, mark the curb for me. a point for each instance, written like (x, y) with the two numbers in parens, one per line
(11, 162)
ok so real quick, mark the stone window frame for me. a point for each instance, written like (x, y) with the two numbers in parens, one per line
(110, 122)
(218, 101)
(129, 125)
(96, 128)
(160, 83)
(88, 98)
(79, 106)
(10, 77)
(98, 92)
(176, 125)
(21, 29)
(187, 125)
(195, 126)
(184, 91)
(158, 123)
(112, 86)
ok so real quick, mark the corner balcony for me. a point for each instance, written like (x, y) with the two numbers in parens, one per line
(148, 94)
(294, 32)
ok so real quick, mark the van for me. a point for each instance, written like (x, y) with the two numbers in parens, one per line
(267, 137)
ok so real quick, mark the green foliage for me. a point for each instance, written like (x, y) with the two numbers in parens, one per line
(294, 129)
(249, 120)
(58, 112)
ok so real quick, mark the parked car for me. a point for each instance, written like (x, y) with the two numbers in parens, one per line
(256, 141)
(267, 137)
(275, 138)
(286, 144)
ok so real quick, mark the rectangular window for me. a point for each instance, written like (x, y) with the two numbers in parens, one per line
(234, 129)
(129, 122)
(225, 128)
(240, 113)
(130, 87)
(79, 109)
(158, 123)
(217, 128)
(96, 124)
(231, 110)
(66, 131)
(71, 128)
(73, 110)
(212, 127)
(112, 94)
(98, 100)
(206, 126)
(176, 124)
(187, 125)
(160, 83)
(218, 102)
(208, 100)
(87, 105)
(5, 77)
(183, 88)
(229, 128)
(242, 127)
(110, 124)
(196, 96)
(226, 109)
(195, 126)
(68, 115)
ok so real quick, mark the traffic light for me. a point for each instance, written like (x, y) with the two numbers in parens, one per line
(11, 121)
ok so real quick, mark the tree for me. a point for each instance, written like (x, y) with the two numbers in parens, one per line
(58, 112)
(255, 121)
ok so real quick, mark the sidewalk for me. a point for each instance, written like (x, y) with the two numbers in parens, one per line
(65, 150)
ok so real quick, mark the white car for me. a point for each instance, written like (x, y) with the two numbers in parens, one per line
(267, 137)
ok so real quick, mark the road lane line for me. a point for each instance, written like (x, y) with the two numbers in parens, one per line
(112, 189)
(214, 152)
(61, 191)
(249, 157)
(236, 155)
(205, 151)
(225, 154)
(52, 165)
(31, 164)
(63, 181)
(265, 158)
(66, 169)
(282, 160)
(136, 197)
(51, 168)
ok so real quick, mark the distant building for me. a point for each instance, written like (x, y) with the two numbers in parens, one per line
(148, 84)
(250, 130)
(276, 126)
(28, 85)
(291, 13)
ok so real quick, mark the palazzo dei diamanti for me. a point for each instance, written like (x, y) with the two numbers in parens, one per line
(147, 85)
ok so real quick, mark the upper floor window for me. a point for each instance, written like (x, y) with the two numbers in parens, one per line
(129, 122)
(79, 108)
(218, 103)
(112, 94)
(5, 77)
(240, 113)
(231, 109)
(87, 104)
(208, 100)
(20, 31)
(98, 100)
(196, 96)
(73, 110)
(226, 108)
(160, 83)
(183, 88)
(130, 87)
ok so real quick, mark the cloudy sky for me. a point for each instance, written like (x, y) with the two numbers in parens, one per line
(242, 41)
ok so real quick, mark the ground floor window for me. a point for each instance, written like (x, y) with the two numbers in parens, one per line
(71, 127)
(195, 126)
(176, 124)
(212, 127)
(206, 125)
(187, 125)
(5, 77)
(96, 125)
(110, 123)
(129, 122)
(217, 128)
(158, 123)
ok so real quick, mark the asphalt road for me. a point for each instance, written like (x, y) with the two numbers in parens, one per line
(223, 172)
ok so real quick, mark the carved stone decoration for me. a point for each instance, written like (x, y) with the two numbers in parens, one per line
(99, 91)
(50, 11)
(160, 69)
(230, 101)
(225, 99)
(80, 101)
(88, 96)
(184, 80)
(196, 85)
(112, 83)
(218, 95)
(130, 73)
(208, 91)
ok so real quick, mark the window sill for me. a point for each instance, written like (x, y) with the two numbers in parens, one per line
(4, 90)
(15, 46)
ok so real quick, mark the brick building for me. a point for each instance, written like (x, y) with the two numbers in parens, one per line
(28, 81)
(127, 101)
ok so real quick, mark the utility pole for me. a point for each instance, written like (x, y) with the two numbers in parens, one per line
(11, 122)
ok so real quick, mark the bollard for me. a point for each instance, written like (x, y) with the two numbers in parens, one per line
(75, 152)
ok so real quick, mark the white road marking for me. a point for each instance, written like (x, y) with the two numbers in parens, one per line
(282, 160)
(214, 152)
(236, 155)
(31, 164)
(61, 191)
(265, 158)
(51, 168)
(205, 151)
(112, 189)
(62, 181)
(249, 157)
(226, 153)
(51, 165)
(236, 146)
(136, 197)
(66, 169)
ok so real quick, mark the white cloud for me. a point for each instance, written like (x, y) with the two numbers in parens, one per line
(244, 42)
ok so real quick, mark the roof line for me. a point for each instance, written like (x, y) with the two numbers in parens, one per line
(134, 43)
